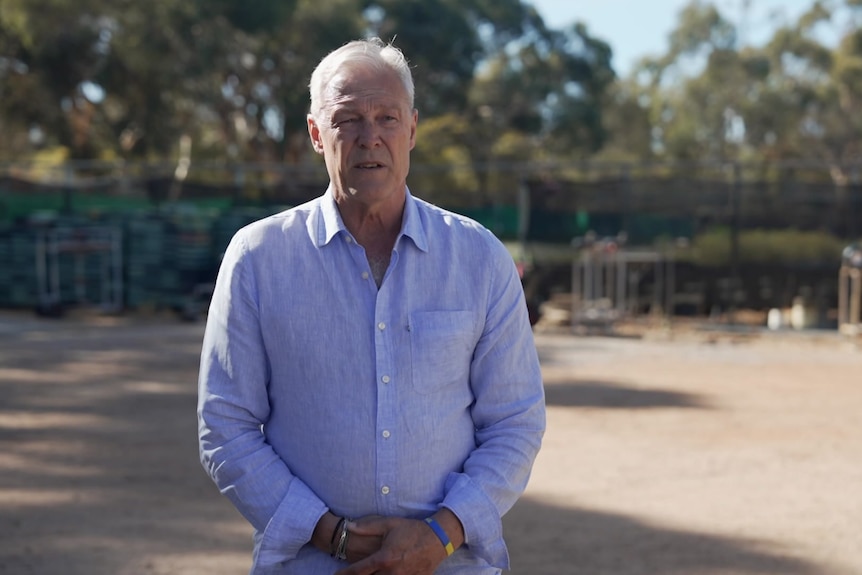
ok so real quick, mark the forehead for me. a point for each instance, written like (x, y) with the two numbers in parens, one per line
(364, 85)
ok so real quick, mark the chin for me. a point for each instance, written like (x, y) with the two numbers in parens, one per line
(371, 193)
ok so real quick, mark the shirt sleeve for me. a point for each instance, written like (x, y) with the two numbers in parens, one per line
(233, 408)
(508, 414)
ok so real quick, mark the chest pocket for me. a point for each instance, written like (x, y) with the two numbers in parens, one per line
(441, 344)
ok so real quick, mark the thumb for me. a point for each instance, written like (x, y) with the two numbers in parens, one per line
(371, 526)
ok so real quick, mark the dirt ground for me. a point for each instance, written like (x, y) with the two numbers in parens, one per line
(695, 454)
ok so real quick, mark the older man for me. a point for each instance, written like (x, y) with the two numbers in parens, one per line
(370, 396)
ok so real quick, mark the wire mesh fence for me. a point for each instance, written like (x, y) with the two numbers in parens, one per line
(756, 234)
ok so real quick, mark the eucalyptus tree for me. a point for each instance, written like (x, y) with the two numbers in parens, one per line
(495, 87)
(693, 114)
(712, 97)
(836, 118)
(124, 79)
(50, 50)
(539, 98)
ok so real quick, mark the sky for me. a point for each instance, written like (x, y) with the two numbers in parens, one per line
(638, 28)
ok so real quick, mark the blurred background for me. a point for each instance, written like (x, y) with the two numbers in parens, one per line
(716, 176)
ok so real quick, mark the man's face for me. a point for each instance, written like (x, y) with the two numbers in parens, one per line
(365, 132)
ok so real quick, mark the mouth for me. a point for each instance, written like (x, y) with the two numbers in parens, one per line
(368, 166)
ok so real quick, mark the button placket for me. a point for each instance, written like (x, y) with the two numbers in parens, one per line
(387, 414)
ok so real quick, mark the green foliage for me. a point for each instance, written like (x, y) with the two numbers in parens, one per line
(130, 80)
(246, 16)
(123, 79)
(767, 247)
(443, 173)
(437, 60)
(710, 97)
(699, 25)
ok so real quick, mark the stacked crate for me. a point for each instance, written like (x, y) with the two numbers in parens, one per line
(51, 261)
(161, 257)
(169, 255)
(6, 267)
(230, 221)
(5, 264)
(191, 264)
(143, 253)
(79, 263)
(18, 284)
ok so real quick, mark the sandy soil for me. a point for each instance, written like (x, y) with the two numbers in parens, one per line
(665, 454)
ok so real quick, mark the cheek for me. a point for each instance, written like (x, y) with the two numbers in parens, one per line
(336, 148)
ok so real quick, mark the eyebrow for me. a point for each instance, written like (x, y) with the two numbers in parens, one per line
(347, 108)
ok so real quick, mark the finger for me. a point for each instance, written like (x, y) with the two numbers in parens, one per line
(367, 566)
(360, 546)
(373, 527)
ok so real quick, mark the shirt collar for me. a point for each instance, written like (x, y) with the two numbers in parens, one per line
(330, 223)
(412, 225)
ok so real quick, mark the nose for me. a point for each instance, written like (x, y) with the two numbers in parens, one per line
(369, 134)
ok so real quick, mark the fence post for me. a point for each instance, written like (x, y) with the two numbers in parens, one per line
(523, 213)
(734, 201)
(68, 189)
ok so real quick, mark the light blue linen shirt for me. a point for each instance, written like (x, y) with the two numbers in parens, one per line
(320, 391)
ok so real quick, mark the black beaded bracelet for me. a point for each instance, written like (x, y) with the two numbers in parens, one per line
(340, 552)
(335, 533)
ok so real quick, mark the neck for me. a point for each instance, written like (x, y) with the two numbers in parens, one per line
(375, 227)
(375, 235)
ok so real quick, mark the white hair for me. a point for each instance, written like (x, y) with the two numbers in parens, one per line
(373, 53)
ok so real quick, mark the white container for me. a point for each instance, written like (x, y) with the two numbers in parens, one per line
(802, 316)
(775, 319)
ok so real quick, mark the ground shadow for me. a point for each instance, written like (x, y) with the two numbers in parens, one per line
(609, 395)
(552, 351)
(541, 538)
(99, 469)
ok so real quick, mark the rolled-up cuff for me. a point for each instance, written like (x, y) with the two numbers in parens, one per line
(483, 526)
(290, 528)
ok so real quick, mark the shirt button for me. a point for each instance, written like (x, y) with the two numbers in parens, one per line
(365, 275)
(385, 379)
(381, 326)
(386, 434)
(384, 490)
(349, 240)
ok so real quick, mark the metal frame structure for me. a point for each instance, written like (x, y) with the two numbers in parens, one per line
(850, 300)
(605, 282)
(80, 243)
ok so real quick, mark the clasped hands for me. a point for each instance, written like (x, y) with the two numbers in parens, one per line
(394, 545)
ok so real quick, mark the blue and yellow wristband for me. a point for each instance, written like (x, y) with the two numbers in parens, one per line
(441, 535)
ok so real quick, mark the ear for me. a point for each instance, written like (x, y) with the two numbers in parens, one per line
(314, 134)
(414, 120)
